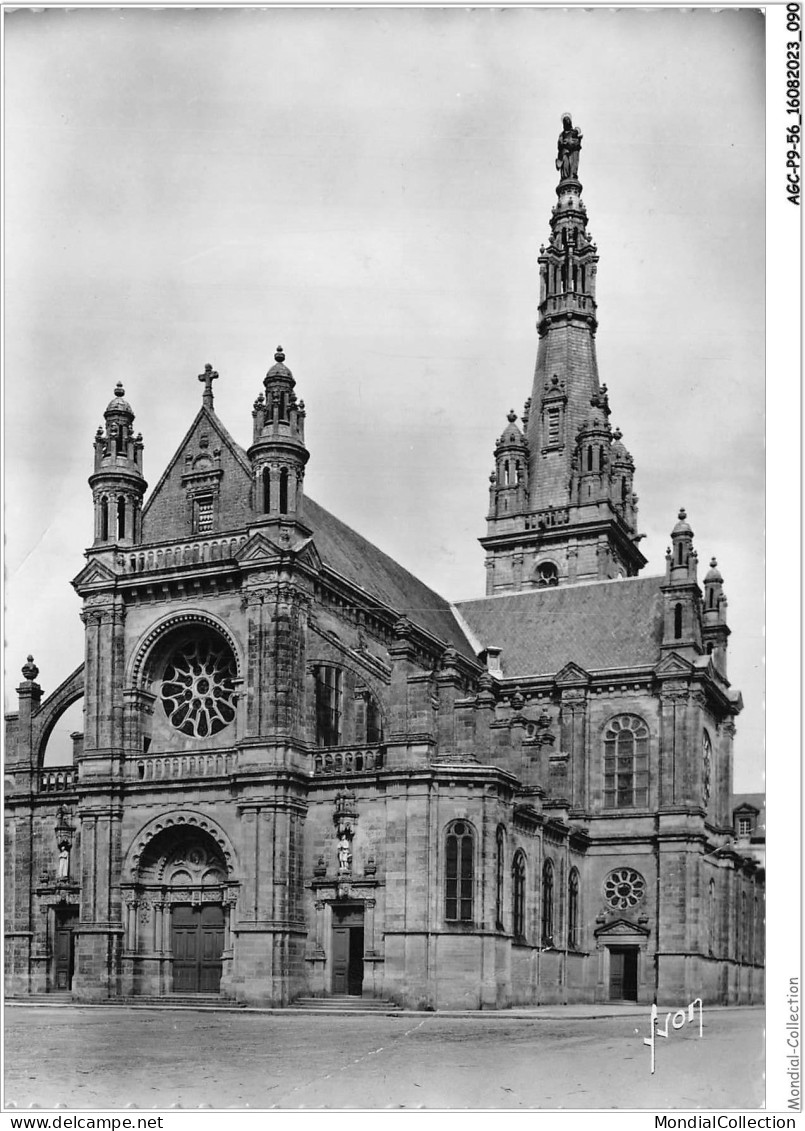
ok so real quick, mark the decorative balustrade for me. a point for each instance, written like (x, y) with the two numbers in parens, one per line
(185, 553)
(568, 300)
(554, 516)
(170, 767)
(57, 779)
(348, 761)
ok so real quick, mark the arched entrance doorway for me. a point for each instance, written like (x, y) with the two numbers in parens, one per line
(177, 926)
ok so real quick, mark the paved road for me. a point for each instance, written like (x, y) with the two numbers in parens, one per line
(107, 1057)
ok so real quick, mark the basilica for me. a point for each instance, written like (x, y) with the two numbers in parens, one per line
(305, 774)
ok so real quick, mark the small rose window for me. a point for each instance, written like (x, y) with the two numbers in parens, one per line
(624, 888)
(198, 686)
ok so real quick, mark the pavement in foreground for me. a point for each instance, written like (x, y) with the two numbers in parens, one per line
(104, 1058)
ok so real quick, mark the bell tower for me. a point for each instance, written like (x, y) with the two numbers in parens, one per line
(574, 517)
(278, 454)
(117, 481)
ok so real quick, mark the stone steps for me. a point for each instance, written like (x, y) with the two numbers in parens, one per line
(345, 1003)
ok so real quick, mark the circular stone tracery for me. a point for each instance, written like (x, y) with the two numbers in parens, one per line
(198, 686)
(624, 888)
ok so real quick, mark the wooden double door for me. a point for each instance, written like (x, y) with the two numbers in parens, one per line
(347, 949)
(197, 941)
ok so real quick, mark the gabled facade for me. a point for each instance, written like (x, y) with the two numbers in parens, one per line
(302, 772)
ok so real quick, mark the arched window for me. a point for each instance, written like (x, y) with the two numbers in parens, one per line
(679, 552)
(459, 873)
(590, 458)
(328, 705)
(547, 903)
(104, 519)
(266, 490)
(573, 939)
(284, 491)
(518, 895)
(500, 864)
(677, 622)
(121, 517)
(547, 574)
(626, 763)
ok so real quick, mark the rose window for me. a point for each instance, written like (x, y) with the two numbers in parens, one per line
(198, 687)
(624, 888)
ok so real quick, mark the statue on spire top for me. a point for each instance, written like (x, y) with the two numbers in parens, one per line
(569, 146)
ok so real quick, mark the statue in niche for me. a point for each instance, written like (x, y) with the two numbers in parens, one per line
(569, 146)
(63, 866)
(344, 855)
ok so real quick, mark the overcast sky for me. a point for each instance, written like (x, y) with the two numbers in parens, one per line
(370, 188)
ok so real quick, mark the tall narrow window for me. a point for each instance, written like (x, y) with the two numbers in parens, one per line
(499, 868)
(547, 904)
(284, 491)
(553, 426)
(600, 457)
(589, 458)
(677, 622)
(459, 873)
(266, 490)
(328, 705)
(626, 762)
(518, 896)
(104, 519)
(680, 551)
(374, 722)
(203, 522)
(121, 517)
(573, 940)
(711, 919)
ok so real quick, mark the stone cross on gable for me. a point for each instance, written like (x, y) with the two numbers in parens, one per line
(208, 376)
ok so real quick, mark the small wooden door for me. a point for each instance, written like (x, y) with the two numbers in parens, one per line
(347, 949)
(64, 949)
(623, 973)
(197, 936)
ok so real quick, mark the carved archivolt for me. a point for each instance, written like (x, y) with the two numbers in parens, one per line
(188, 821)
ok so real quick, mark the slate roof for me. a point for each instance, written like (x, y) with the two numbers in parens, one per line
(348, 553)
(604, 625)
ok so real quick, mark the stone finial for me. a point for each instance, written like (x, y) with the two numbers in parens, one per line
(713, 563)
(208, 376)
(617, 434)
(119, 390)
(30, 671)
(279, 355)
(511, 416)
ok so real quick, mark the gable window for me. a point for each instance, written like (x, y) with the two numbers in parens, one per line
(744, 825)
(328, 705)
(518, 895)
(573, 941)
(459, 873)
(203, 515)
(626, 763)
(547, 903)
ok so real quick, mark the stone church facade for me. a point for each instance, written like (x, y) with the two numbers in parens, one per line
(304, 773)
